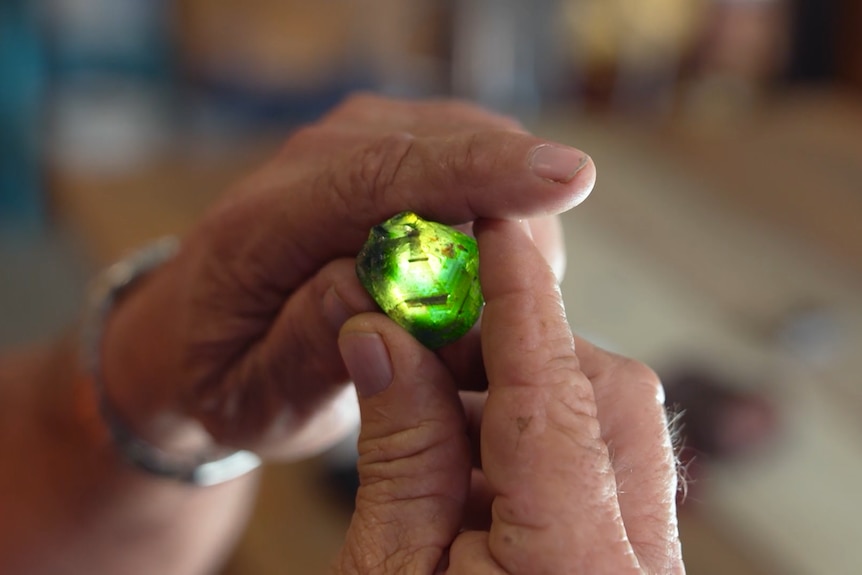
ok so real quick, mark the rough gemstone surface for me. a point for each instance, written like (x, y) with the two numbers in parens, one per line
(424, 275)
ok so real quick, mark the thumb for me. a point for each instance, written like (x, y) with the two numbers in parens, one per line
(414, 458)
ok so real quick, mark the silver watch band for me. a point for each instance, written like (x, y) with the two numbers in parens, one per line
(209, 468)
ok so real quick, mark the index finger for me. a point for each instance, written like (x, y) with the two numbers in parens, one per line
(300, 216)
(556, 508)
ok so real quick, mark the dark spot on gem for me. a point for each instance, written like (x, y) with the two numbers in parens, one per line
(428, 300)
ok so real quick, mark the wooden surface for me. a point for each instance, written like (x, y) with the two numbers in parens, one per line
(692, 244)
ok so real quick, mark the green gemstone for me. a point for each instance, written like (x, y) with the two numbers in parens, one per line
(424, 275)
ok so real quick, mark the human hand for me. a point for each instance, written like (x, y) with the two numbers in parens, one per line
(565, 465)
(238, 332)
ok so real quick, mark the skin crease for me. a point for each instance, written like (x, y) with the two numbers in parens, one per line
(238, 336)
(545, 497)
(233, 319)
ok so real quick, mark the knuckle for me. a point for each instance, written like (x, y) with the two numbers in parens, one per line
(415, 444)
(472, 157)
(360, 99)
(559, 371)
(312, 141)
(381, 163)
(638, 374)
(306, 132)
(230, 405)
(457, 109)
(466, 159)
(299, 138)
(404, 466)
(356, 106)
(398, 464)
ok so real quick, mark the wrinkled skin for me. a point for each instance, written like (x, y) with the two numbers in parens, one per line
(564, 464)
(244, 320)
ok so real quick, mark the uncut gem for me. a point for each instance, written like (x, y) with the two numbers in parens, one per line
(424, 275)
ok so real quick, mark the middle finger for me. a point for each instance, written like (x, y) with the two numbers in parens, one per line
(556, 508)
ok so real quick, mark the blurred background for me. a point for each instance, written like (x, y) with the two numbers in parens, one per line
(722, 244)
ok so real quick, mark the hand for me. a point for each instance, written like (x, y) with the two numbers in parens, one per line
(238, 333)
(565, 465)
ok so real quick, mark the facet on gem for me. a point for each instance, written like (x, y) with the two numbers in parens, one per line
(424, 275)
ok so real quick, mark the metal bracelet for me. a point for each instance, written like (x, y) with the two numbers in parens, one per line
(209, 468)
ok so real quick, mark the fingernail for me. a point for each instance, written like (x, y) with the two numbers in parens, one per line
(367, 360)
(335, 310)
(557, 163)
